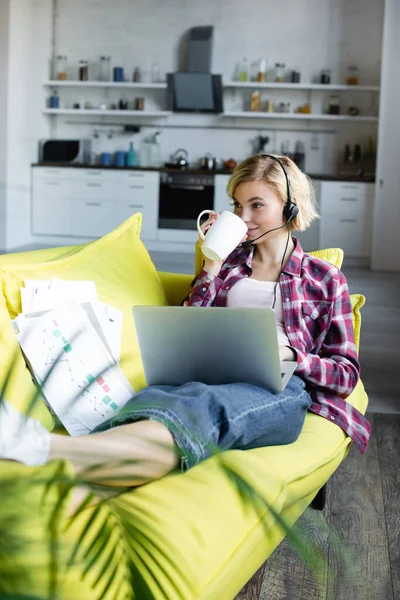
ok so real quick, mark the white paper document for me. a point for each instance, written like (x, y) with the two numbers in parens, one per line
(85, 383)
(47, 294)
(65, 329)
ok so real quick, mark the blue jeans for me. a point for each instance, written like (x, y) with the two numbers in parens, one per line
(206, 418)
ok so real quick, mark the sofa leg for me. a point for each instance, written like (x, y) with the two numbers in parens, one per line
(319, 501)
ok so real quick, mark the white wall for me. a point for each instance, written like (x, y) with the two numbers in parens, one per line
(386, 236)
(28, 53)
(305, 34)
(4, 17)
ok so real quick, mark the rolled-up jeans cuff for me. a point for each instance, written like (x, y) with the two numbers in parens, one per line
(192, 451)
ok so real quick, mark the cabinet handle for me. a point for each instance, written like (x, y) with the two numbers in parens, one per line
(93, 184)
(53, 172)
(92, 173)
(137, 187)
(93, 203)
(52, 183)
(136, 175)
(348, 220)
(349, 186)
(349, 199)
(135, 205)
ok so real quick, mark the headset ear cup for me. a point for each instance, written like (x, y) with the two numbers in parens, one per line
(290, 211)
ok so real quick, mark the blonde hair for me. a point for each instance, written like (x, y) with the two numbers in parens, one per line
(265, 169)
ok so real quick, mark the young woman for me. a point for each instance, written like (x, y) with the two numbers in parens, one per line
(164, 427)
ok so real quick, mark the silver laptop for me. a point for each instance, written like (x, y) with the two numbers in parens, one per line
(212, 345)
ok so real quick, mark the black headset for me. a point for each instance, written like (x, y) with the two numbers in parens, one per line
(290, 211)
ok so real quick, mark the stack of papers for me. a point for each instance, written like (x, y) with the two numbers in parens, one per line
(71, 342)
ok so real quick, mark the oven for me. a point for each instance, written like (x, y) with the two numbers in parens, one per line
(182, 198)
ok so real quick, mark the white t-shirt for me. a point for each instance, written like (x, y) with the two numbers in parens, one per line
(251, 293)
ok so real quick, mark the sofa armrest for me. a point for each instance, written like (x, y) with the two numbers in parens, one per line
(176, 286)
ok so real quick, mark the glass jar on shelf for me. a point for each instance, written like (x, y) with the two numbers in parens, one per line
(105, 68)
(334, 105)
(61, 67)
(279, 72)
(155, 73)
(83, 70)
(352, 75)
(325, 76)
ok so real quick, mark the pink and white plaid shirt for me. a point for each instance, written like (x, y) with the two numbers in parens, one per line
(318, 322)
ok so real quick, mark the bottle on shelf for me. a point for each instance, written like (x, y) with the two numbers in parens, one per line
(54, 100)
(131, 156)
(262, 70)
(105, 68)
(255, 101)
(83, 70)
(244, 70)
(137, 76)
(155, 73)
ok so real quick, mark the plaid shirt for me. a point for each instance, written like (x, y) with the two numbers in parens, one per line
(318, 322)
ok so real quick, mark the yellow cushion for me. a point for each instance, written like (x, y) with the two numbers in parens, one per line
(124, 274)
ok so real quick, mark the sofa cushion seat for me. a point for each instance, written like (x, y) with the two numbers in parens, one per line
(191, 536)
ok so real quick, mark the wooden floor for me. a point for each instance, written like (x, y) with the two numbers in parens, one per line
(357, 533)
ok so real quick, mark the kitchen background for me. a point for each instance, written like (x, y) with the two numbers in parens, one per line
(308, 36)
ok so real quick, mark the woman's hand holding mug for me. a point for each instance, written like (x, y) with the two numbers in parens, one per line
(228, 231)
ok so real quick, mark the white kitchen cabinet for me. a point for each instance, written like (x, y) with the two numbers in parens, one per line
(141, 198)
(51, 215)
(346, 217)
(91, 217)
(91, 202)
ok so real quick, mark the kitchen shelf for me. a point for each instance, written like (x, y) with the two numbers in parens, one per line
(106, 113)
(105, 84)
(298, 116)
(302, 86)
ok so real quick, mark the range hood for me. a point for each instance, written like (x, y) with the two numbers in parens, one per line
(197, 89)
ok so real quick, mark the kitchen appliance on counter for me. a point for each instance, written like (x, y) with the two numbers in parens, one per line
(208, 162)
(65, 151)
(182, 197)
(179, 160)
(358, 160)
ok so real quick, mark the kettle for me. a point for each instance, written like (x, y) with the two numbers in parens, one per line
(180, 158)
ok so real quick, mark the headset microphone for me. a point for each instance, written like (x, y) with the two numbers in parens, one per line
(246, 244)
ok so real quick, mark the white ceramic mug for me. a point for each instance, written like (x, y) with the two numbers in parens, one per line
(223, 236)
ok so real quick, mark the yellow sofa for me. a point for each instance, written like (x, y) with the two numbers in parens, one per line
(187, 536)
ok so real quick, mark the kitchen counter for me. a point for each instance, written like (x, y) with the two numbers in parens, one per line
(343, 177)
(198, 171)
(191, 170)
